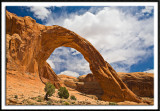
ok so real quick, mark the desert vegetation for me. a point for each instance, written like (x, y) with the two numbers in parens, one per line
(72, 97)
(49, 89)
(63, 92)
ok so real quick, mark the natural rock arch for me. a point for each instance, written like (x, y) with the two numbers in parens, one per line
(114, 88)
(39, 41)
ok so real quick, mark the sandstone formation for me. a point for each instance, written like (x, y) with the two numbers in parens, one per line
(31, 44)
(87, 78)
(68, 81)
(89, 85)
(84, 84)
(140, 83)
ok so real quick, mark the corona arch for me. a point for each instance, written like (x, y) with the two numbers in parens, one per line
(39, 41)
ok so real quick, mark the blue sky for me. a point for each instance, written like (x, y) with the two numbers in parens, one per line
(123, 35)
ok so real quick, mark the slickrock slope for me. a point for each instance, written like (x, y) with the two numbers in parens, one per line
(31, 44)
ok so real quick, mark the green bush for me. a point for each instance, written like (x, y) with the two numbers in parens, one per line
(49, 102)
(73, 97)
(63, 92)
(112, 103)
(73, 102)
(32, 103)
(49, 89)
(16, 96)
(66, 103)
(34, 98)
(39, 100)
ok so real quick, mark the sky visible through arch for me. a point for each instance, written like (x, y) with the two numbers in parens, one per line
(124, 35)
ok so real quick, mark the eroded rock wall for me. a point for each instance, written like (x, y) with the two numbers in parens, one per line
(141, 83)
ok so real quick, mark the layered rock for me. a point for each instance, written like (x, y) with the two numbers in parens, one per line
(140, 83)
(89, 85)
(37, 42)
(68, 81)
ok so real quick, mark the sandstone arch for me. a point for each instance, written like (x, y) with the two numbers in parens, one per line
(40, 41)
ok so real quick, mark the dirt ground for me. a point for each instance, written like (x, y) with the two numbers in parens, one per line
(24, 89)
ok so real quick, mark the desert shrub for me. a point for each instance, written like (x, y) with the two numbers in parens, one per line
(66, 103)
(16, 96)
(49, 89)
(40, 99)
(61, 101)
(112, 103)
(49, 102)
(73, 97)
(34, 98)
(32, 104)
(63, 92)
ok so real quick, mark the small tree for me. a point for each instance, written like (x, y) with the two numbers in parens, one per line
(49, 89)
(63, 92)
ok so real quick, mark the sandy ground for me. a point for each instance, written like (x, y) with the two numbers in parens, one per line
(24, 89)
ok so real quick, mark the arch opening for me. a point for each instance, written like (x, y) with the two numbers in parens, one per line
(66, 60)
(70, 62)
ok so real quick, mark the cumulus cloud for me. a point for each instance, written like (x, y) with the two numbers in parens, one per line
(120, 37)
(40, 12)
(65, 58)
(147, 9)
(50, 62)
(150, 71)
(74, 52)
(70, 73)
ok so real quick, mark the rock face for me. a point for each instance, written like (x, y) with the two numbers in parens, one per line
(34, 43)
(86, 84)
(89, 85)
(68, 81)
(139, 82)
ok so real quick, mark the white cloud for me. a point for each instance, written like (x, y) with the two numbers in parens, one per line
(95, 10)
(145, 12)
(74, 52)
(147, 9)
(120, 37)
(50, 62)
(40, 12)
(150, 71)
(64, 58)
(70, 73)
